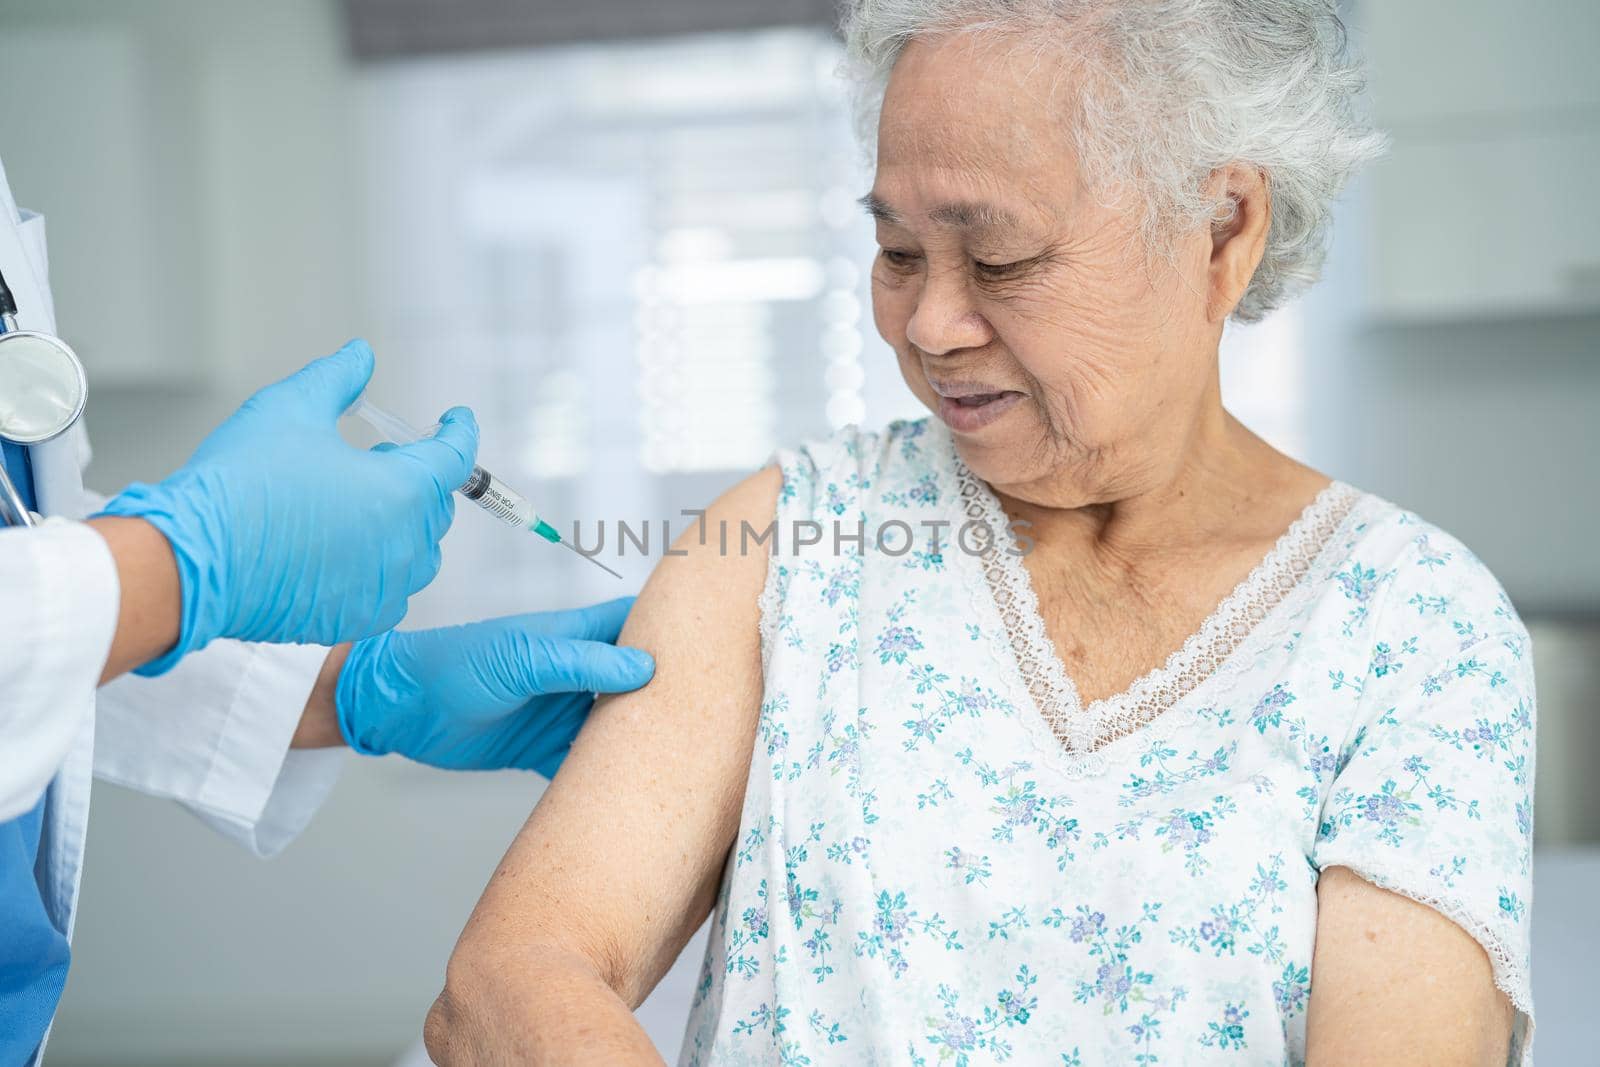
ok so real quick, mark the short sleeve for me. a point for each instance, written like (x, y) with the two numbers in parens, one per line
(1433, 795)
(820, 533)
(817, 502)
(825, 479)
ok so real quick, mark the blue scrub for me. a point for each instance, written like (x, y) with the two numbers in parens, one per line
(33, 952)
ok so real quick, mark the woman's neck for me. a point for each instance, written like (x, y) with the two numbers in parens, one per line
(1220, 484)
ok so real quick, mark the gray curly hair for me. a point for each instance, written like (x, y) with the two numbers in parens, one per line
(1171, 91)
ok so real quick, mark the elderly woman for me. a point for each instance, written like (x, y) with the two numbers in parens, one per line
(1219, 761)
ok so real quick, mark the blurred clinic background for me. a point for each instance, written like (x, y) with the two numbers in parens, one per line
(624, 233)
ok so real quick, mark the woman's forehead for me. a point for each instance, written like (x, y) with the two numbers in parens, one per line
(950, 103)
(972, 183)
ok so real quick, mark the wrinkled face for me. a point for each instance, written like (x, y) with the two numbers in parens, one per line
(1026, 313)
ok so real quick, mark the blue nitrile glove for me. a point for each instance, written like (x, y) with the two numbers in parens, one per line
(508, 692)
(285, 533)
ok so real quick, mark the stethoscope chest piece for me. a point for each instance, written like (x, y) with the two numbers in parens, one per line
(42, 393)
(42, 387)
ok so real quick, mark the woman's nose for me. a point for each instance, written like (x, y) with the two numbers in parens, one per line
(944, 319)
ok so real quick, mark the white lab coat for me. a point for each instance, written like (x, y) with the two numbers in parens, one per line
(213, 733)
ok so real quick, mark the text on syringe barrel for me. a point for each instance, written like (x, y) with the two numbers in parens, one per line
(493, 496)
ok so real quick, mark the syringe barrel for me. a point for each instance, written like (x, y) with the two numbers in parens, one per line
(498, 499)
(481, 487)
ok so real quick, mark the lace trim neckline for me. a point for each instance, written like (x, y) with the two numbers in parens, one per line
(1082, 731)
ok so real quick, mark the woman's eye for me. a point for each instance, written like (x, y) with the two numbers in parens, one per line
(998, 270)
(899, 260)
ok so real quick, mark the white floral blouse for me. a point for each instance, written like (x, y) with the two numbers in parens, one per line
(944, 858)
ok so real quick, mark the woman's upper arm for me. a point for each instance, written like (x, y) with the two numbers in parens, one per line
(620, 860)
(1395, 982)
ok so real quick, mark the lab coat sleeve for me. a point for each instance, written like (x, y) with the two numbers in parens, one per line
(213, 734)
(58, 611)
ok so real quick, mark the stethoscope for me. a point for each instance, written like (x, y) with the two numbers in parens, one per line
(42, 393)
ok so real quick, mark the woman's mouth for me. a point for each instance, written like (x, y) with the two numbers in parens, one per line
(968, 411)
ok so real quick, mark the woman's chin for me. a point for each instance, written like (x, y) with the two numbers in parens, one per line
(1015, 456)
(1001, 459)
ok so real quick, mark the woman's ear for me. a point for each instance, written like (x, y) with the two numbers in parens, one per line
(1238, 237)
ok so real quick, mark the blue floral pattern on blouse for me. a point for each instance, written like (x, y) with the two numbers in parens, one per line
(923, 877)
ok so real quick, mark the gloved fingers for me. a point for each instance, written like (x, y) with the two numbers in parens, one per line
(429, 571)
(558, 665)
(391, 615)
(597, 622)
(451, 452)
(331, 384)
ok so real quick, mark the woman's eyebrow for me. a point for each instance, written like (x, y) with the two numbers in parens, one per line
(961, 214)
(879, 210)
(969, 215)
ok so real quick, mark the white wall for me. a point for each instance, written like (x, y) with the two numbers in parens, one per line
(194, 162)
(1455, 342)
(1491, 430)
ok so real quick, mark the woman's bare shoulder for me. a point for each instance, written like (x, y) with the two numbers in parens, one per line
(709, 582)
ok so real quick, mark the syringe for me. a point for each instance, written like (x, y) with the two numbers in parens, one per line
(481, 487)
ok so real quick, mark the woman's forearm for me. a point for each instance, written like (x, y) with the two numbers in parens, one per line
(541, 1006)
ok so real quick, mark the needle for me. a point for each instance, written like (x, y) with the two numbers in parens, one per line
(591, 559)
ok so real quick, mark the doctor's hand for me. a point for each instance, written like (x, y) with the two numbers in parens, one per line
(508, 692)
(283, 532)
